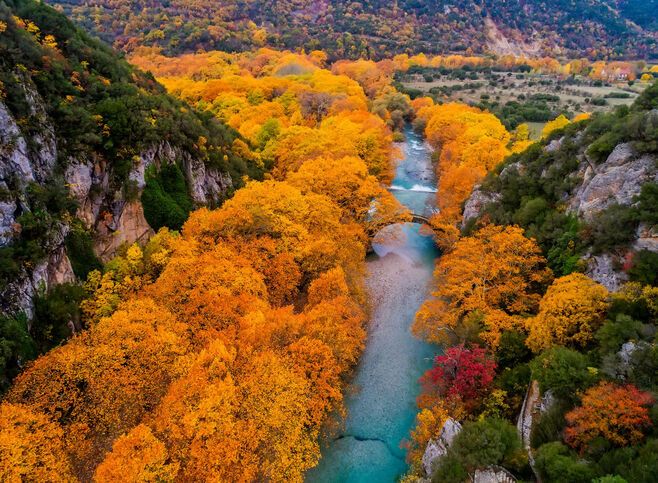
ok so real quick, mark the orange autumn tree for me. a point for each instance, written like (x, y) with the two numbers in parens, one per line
(346, 182)
(280, 372)
(359, 134)
(103, 382)
(372, 76)
(136, 456)
(335, 316)
(286, 105)
(570, 312)
(221, 286)
(239, 417)
(470, 143)
(490, 278)
(308, 226)
(618, 414)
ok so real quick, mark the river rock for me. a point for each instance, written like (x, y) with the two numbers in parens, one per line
(438, 448)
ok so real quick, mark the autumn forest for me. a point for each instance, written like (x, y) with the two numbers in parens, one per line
(207, 257)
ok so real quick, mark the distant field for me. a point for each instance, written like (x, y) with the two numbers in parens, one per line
(535, 129)
(575, 96)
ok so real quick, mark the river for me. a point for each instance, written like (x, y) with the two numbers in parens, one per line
(381, 401)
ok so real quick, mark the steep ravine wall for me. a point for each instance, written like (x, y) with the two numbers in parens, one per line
(102, 207)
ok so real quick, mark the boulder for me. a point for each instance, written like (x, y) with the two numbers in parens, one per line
(126, 225)
(207, 185)
(554, 145)
(43, 143)
(18, 296)
(7, 219)
(15, 166)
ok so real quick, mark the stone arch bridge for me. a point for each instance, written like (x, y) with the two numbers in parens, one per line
(421, 219)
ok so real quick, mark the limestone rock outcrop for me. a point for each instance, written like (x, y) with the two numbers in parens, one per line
(476, 203)
(617, 180)
(438, 448)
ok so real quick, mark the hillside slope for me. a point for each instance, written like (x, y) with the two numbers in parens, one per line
(93, 154)
(375, 28)
(588, 194)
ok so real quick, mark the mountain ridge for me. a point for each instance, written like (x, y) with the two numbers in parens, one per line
(375, 29)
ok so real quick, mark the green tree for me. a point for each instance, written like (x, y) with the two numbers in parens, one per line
(564, 371)
(645, 267)
(614, 333)
(489, 441)
(56, 313)
(555, 463)
(16, 348)
(166, 199)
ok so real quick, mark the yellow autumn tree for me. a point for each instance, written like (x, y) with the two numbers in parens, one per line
(583, 116)
(634, 292)
(471, 143)
(558, 123)
(489, 279)
(346, 182)
(429, 422)
(130, 270)
(570, 312)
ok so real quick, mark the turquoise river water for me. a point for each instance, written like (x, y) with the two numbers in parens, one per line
(380, 403)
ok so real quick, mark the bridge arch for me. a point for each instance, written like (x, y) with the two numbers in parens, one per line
(421, 219)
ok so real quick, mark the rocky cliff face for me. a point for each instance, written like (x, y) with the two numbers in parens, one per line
(117, 220)
(617, 180)
(594, 187)
(113, 218)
